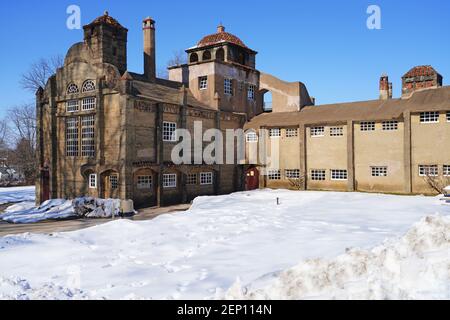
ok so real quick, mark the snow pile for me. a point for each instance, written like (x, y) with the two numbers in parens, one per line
(59, 209)
(417, 266)
(16, 194)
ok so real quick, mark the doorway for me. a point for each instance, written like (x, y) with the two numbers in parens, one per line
(251, 179)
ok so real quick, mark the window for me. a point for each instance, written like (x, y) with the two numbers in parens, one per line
(72, 88)
(144, 182)
(292, 174)
(251, 92)
(169, 131)
(390, 125)
(275, 133)
(206, 178)
(446, 170)
(291, 133)
(88, 86)
(228, 87)
(191, 179)
(339, 174)
(169, 181)
(203, 83)
(206, 55)
(318, 175)
(93, 181)
(114, 181)
(72, 106)
(448, 116)
(88, 104)
(336, 131)
(317, 131)
(428, 170)
(429, 117)
(273, 174)
(193, 58)
(252, 137)
(379, 171)
(367, 126)
(88, 136)
(72, 137)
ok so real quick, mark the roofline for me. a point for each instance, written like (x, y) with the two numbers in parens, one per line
(209, 46)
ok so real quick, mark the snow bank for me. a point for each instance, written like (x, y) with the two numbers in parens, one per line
(417, 266)
(16, 194)
(59, 209)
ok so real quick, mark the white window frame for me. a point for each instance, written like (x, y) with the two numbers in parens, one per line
(339, 175)
(367, 126)
(428, 170)
(293, 174)
(379, 171)
(206, 178)
(318, 175)
(169, 180)
(93, 181)
(72, 137)
(203, 83)
(317, 132)
(390, 125)
(251, 137)
(144, 182)
(72, 88)
(72, 106)
(274, 174)
(275, 133)
(336, 131)
(169, 131)
(88, 136)
(88, 104)
(291, 132)
(251, 92)
(446, 170)
(429, 117)
(228, 86)
(88, 86)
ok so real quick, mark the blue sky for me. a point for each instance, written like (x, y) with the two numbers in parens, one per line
(323, 43)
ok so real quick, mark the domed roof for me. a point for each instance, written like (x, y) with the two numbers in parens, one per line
(420, 71)
(106, 19)
(220, 37)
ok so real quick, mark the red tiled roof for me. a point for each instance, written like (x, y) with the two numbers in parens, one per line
(420, 71)
(220, 36)
(106, 19)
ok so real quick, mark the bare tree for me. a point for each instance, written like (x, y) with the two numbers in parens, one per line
(179, 58)
(3, 134)
(297, 184)
(39, 72)
(438, 184)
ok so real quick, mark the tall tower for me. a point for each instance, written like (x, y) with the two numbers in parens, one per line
(385, 88)
(148, 27)
(107, 41)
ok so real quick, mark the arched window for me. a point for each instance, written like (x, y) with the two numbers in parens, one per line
(206, 55)
(220, 54)
(193, 58)
(88, 86)
(72, 88)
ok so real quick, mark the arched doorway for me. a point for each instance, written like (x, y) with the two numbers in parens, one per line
(251, 179)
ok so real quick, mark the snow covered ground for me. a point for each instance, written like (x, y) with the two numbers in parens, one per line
(17, 194)
(201, 253)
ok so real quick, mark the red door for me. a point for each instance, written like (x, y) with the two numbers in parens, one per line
(45, 185)
(252, 179)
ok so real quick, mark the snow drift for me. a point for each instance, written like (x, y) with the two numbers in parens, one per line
(417, 266)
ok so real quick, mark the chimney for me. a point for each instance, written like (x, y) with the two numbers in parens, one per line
(385, 88)
(220, 28)
(149, 49)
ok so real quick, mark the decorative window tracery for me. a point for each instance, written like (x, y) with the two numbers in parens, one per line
(88, 86)
(72, 89)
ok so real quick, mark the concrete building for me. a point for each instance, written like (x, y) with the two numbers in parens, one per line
(104, 131)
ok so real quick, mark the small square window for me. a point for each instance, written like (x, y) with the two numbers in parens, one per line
(144, 182)
(275, 133)
(203, 83)
(367, 126)
(318, 175)
(336, 131)
(252, 137)
(114, 182)
(390, 125)
(317, 131)
(88, 104)
(291, 133)
(428, 170)
(169, 181)
(251, 93)
(228, 87)
(169, 132)
(206, 178)
(448, 116)
(429, 117)
(379, 171)
(93, 181)
(339, 175)
(446, 170)
(293, 174)
(72, 106)
(273, 174)
(191, 179)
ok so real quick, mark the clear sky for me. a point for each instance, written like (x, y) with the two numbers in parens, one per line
(323, 43)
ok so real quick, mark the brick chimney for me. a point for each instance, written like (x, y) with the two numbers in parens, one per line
(385, 88)
(148, 28)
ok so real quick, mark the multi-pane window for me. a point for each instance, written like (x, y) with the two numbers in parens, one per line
(203, 83)
(72, 88)
(379, 171)
(291, 133)
(72, 106)
(191, 179)
(367, 126)
(292, 174)
(114, 182)
(144, 182)
(275, 133)
(72, 137)
(339, 174)
(446, 170)
(429, 117)
(251, 92)
(317, 131)
(88, 136)
(336, 131)
(169, 180)
(228, 87)
(206, 178)
(428, 170)
(93, 181)
(448, 116)
(88, 104)
(252, 137)
(390, 125)
(169, 131)
(88, 86)
(274, 174)
(318, 175)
